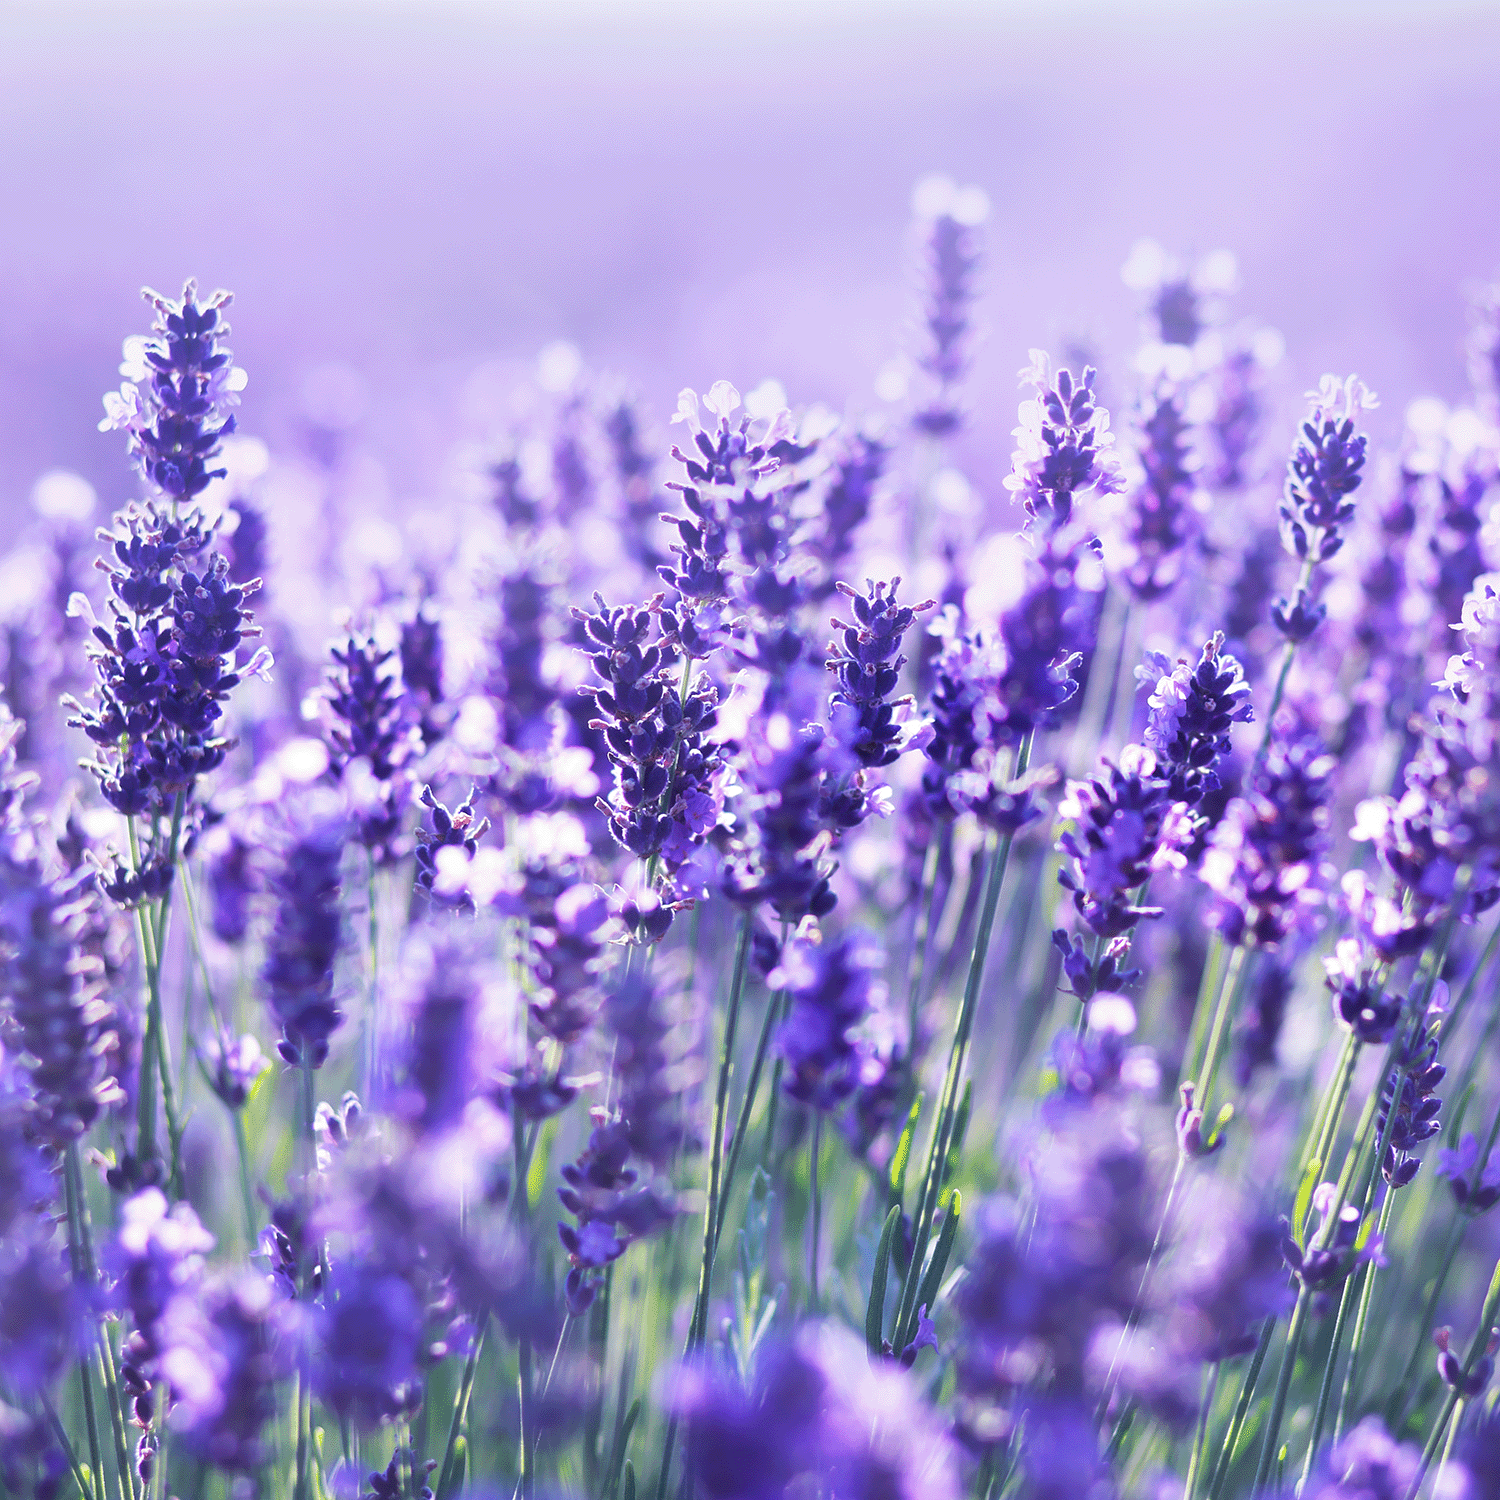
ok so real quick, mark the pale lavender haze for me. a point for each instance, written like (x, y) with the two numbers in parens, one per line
(689, 191)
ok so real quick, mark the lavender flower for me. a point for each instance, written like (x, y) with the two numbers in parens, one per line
(180, 383)
(43, 1323)
(854, 475)
(832, 998)
(422, 671)
(652, 1068)
(1065, 447)
(1473, 1191)
(233, 1066)
(1415, 1105)
(300, 953)
(51, 996)
(369, 1333)
(1192, 711)
(1368, 1464)
(1264, 862)
(222, 1358)
(1323, 472)
(1330, 1254)
(368, 723)
(460, 829)
(1126, 827)
(1260, 1028)
(950, 218)
(26, 1182)
(1161, 518)
(867, 663)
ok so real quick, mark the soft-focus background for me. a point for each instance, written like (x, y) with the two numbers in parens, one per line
(411, 200)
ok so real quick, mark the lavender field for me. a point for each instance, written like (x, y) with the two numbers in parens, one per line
(783, 782)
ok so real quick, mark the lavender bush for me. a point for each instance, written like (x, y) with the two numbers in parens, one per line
(622, 995)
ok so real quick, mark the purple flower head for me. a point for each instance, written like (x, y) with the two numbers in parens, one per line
(233, 1066)
(950, 220)
(26, 1182)
(459, 830)
(1264, 861)
(966, 673)
(1259, 1029)
(1474, 1192)
(367, 723)
(222, 1357)
(1034, 1298)
(180, 384)
(656, 735)
(369, 1332)
(1065, 448)
(816, 1407)
(422, 676)
(32, 1465)
(456, 1020)
(1333, 1249)
(1360, 1002)
(1473, 1472)
(304, 942)
(397, 1480)
(232, 880)
(1368, 1464)
(1099, 1063)
(1162, 519)
(654, 1068)
(52, 995)
(1227, 1275)
(1126, 828)
(1415, 1104)
(866, 660)
(43, 1322)
(858, 465)
(1181, 301)
(833, 995)
(1324, 470)
(1192, 710)
(1468, 1383)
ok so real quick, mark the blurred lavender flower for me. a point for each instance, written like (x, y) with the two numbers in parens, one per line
(422, 665)
(833, 996)
(1162, 519)
(368, 1335)
(1264, 861)
(1192, 709)
(949, 218)
(222, 1357)
(43, 1314)
(1473, 1472)
(459, 830)
(653, 1068)
(368, 725)
(1475, 1192)
(1259, 1029)
(1330, 1255)
(856, 470)
(1367, 1464)
(303, 944)
(26, 1182)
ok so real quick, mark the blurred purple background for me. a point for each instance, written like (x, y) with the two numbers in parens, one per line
(416, 191)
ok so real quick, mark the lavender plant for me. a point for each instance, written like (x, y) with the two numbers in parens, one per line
(991, 1051)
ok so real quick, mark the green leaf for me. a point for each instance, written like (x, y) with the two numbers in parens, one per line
(875, 1313)
(901, 1158)
(621, 1447)
(628, 1493)
(933, 1280)
(960, 1130)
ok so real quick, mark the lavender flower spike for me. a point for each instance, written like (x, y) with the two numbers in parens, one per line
(1064, 446)
(180, 383)
(1192, 710)
(866, 660)
(1324, 470)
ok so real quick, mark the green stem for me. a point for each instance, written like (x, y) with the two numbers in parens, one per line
(1210, 986)
(905, 1325)
(816, 1206)
(1361, 1324)
(1241, 1410)
(1228, 996)
(1290, 651)
(926, 899)
(1477, 1346)
(460, 1410)
(1404, 1390)
(1325, 1387)
(1200, 1438)
(72, 1184)
(742, 1122)
(1283, 1385)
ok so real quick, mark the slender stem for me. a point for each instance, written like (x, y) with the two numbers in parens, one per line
(816, 1206)
(1210, 986)
(698, 1326)
(1283, 1385)
(904, 1326)
(742, 1122)
(1362, 1322)
(1195, 1463)
(81, 1274)
(1404, 1390)
(1228, 996)
(1241, 1409)
(922, 932)
(1287, 654)
(1325, 1387)
(247, 1193)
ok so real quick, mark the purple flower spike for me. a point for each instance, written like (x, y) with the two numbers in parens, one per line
(1065, 446)
(866, 659)
(1193, 708)
(1162, 518)
(180, 383)
(1457, 1166)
